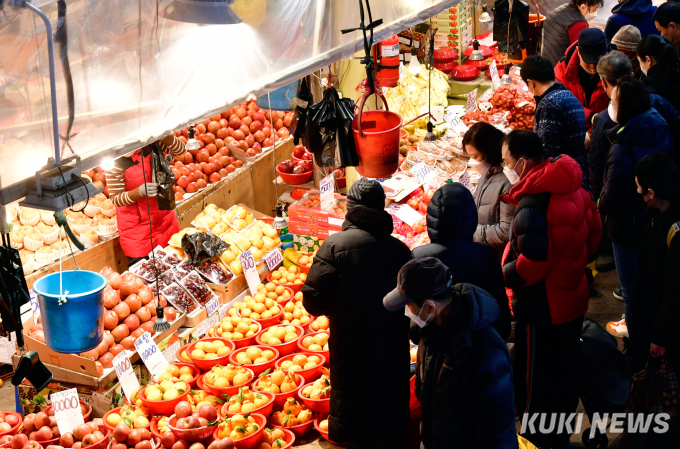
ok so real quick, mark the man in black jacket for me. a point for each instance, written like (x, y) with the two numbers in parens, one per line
(352, 272)
(451, 225)
(463, 374)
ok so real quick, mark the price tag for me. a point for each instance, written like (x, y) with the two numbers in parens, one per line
(34, 305)
(521, 104)
(409, 216)
(455, 123)
(327, 189)
(420, 171)
(493, 70)
(212, 305)
(202, 329)
(126, 376)
(465, 179)
(250, 271)
(66, 406)
(150, 354)
(273, 258)
(7, 350)
(402, 71)
(471, 101)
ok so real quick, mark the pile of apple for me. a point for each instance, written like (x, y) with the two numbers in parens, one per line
(8, 421)
(125, 438)
(83, 435)
(295, 167)
(196, 168)
(97, 177)
(301, 152)
(188, 419)
(130, 311)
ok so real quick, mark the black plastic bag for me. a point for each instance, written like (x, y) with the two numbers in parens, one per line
(202, 245)
(329, 131)
(305, 100)
(165, 199)
(519, 25)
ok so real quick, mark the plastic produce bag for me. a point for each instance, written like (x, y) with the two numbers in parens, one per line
(165, 199)
(519, 24)
(328, 131)
(305, 100)
(202, 245)
(655, 389)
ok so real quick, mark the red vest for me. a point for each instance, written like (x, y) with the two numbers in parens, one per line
(133, 220)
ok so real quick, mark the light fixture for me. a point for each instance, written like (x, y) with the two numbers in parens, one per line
(505, 79)
(206, 12)
(476, 55)
(107, 164)
(414, 66)
(484, 17)
(192, 144)
(280, 222)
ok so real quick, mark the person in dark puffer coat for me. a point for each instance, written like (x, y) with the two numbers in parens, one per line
(556, 230)
(631, 12)
(463, 372)
(451, 225)
(352, 272)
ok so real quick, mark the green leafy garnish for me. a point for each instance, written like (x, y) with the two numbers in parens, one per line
(258, 395)
(328, 382)
(193, 392)
(180, 390)
(219, 401)
(266, 372)
(259, 387)
(325, 389)
(285, 420)
(213, 423)
(279, 442)
(255, 427)
(226, 396)
(127, 422)
(240, 429)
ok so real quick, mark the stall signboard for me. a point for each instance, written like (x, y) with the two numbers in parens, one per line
(471, 101)
(250, 270)
(126, 376)
(150, 354)
(67, 412)
(327, 189)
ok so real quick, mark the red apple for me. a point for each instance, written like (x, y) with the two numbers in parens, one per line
(201, 183)
(215, 177)
(203, 156)
(183, 182)
(192, 187)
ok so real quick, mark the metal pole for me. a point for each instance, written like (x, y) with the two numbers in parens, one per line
(53, 84)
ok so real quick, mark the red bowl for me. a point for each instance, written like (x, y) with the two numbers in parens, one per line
(283, 302)
(483, 49)
(295, 287)
(220, 391)
(198, 434)
(164, 407)
(341, 182)
(153, 427)
(300, 430)
(324, 433)
(309, 375)
(206, 365)
(115, 410)
(14, 429)
(182, 360)
(303, 268)
(285, 348)
(304, 350)
(266, 322)
(260, 367)
(292, 179)
(86, 416)
(465, 72)
(241, 342)
(104, 442)
(280, 399)
(298, 159)
(315, 405)
(403, 134)
(444, 54)
(253, 439)
(265, 410)
(289, 439)
(194, 371)
(445, 67)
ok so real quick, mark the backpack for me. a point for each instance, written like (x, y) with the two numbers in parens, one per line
(674, 229)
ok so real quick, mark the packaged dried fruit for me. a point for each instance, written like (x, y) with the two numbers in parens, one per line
(164, 280)
(212, 272)
(179, 298)
(149, 269)
(197, 287)
(172, 259)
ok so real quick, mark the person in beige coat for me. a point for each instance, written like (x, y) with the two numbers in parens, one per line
(482, 142)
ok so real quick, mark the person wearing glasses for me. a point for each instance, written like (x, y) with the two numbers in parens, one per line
(555, 231)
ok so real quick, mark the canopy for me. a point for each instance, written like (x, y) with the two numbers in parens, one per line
(138, 76)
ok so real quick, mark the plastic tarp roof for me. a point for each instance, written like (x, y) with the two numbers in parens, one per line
(138, 76)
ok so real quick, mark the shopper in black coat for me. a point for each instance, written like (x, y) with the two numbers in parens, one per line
(463, 373)
(451, 225)
(661, 66)
(352, 272)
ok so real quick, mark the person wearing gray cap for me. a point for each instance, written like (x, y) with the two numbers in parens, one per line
(463, 372)
(352, 272)
(626, 41)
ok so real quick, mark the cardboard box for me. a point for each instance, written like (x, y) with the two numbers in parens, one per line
(316, 216)
(306, 243)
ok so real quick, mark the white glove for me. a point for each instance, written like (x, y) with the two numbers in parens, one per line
(148, 189)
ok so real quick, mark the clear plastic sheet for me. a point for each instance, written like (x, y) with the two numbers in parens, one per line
(138, 76)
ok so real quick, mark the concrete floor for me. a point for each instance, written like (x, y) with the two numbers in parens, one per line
(603, 308)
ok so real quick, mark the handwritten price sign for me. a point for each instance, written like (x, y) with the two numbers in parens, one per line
(212, 305)
(250, 271)
(420, 171)
(471, 101)
(66, 406)
(327, 189)
(126, 376)
(150, 354)
(455, 123)
(493, 71)
(273, 258)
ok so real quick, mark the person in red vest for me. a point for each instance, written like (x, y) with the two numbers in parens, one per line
(578, 72)
(127, 191)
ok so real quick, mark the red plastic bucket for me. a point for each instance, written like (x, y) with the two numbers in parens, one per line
(376, 135)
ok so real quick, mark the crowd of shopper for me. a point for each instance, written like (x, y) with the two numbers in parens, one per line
(509, 261)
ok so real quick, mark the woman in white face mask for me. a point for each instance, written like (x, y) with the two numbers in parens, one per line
(482, 142)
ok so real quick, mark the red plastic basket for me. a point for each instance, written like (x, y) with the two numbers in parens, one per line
(260, 367)
(289, 347)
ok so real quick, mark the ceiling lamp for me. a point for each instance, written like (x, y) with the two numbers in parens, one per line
(484, 17)
(206, 12)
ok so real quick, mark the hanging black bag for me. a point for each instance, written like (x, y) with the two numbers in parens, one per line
(304, 101)
(518, 22)
(165, 199)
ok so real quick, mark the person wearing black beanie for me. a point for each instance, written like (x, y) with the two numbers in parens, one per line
(352, 272)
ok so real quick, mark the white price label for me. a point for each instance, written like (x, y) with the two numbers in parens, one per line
(402, 71)
(171, 352)
(389, 51)
(493, 70)
(212, 305)
(465, 178)
(250, 271)
(420, 171)
(273, 258)
(126, 376)
(7, 350)
(471, 101)
(150, 354)
(34, 305)
(327, 189)
(409, 216)
(66, 407)
(455, 123)
(202, 329)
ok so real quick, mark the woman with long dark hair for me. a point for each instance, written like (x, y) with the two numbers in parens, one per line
(482, 142)
(661, 66)
(640, 130)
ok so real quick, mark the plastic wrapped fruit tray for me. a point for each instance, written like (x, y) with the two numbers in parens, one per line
(308, 210)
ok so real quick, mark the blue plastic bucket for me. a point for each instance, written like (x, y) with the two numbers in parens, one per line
(77, 325)
(281, 98)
